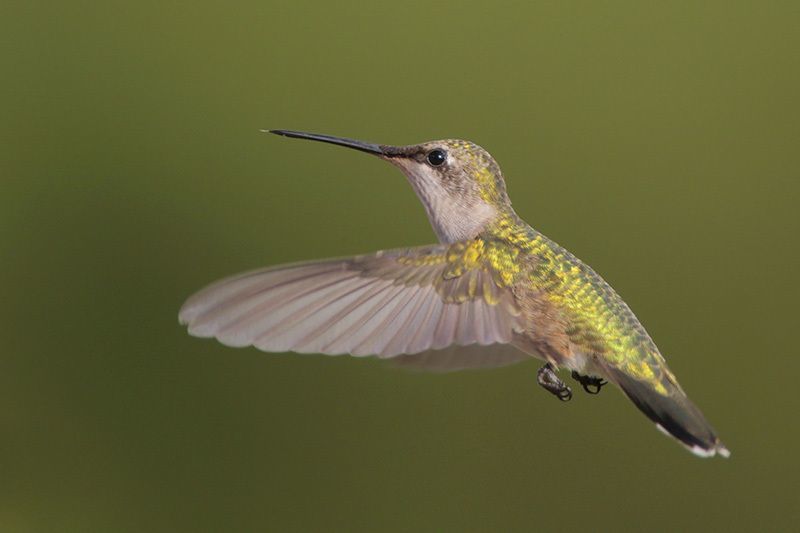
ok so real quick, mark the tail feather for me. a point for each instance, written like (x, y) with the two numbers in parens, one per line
(674, 414)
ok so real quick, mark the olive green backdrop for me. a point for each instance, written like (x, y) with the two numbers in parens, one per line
(657, 142)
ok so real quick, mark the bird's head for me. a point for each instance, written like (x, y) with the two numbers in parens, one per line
(458, 182)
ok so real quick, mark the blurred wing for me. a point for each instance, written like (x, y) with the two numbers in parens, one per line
(457, 357)
(385, 304)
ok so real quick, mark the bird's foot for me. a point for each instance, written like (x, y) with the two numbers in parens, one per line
(548, 379)
(591, 384)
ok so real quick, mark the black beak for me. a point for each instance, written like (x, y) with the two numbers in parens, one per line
(370, 148)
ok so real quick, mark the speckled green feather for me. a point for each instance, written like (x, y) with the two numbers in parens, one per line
(599, 321)
(491, 282)
(513, 256)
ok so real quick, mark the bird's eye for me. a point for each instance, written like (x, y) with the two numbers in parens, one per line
(436, 157)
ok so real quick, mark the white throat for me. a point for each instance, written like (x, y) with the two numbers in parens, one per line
(453, 219)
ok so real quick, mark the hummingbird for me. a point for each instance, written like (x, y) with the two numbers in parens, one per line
(492, 292)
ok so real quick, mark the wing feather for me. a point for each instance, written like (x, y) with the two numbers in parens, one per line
(360, 327)
(388, 304)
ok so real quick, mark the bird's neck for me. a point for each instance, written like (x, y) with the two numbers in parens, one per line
(453, 225)
(509, 227)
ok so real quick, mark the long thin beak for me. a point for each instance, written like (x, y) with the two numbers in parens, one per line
(370, 148)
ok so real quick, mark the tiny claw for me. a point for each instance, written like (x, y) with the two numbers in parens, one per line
(564, 394)
(590, 384)
(597, 386)
(548, 379)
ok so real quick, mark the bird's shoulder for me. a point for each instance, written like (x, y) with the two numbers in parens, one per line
(478, 268)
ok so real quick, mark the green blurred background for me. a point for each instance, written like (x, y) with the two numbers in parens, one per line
(659, 142)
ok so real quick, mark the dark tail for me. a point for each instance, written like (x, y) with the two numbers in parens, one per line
(674, 414)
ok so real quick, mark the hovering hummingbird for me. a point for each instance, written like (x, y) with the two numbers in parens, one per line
(493, 292)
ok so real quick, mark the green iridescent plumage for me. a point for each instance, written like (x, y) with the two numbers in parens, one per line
(599, 321)
(494, 288)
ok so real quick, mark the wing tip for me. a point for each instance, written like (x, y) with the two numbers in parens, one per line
(188, 312)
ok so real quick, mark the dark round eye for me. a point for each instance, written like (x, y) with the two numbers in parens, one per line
(436, 157)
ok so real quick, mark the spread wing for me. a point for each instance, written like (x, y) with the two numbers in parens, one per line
(386, 304)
